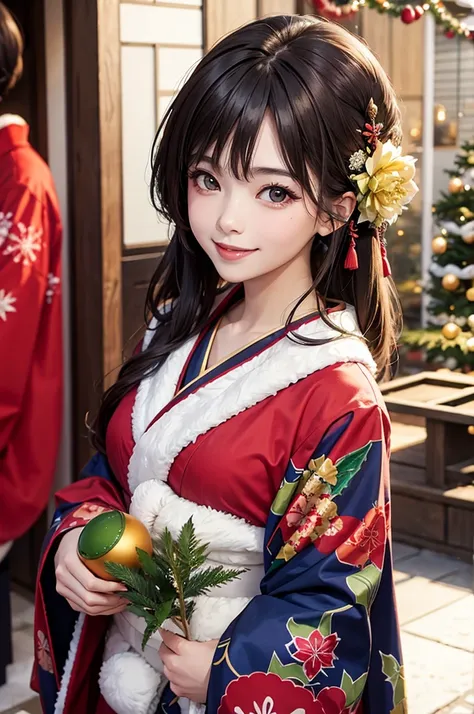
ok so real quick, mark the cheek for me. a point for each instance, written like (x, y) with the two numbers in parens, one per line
(289, 230)
(198, 213)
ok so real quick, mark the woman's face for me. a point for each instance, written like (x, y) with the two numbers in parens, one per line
(251, 228)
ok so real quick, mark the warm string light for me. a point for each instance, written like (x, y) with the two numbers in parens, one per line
(408, 14)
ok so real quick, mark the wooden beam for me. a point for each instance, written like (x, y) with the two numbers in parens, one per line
(220, 18)
(93, 85)
(108, 17)
(85, 216)
(276, 7)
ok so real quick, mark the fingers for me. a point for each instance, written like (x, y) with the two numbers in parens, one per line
(88, 580)
(84, 597)
(86, 592)
(80, 606)
(175, 643)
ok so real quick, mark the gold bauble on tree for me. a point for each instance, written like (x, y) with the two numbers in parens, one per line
(470, 294)
(470, 322)
(455, 185)
(470, 344)
(469, 239)
(113, 537)
(450, 282)
(451, 330)
(439, 245)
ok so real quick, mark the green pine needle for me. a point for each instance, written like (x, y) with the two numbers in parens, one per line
(202, 581)
(165, 583)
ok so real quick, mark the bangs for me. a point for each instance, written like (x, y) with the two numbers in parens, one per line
(229, 116)
(302, 81)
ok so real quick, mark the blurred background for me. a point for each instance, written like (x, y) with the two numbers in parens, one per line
(98, 77)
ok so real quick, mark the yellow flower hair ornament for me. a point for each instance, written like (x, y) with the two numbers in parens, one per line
(384, 180)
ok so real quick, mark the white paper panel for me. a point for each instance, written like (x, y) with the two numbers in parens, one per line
(155, 24)
(194, 3)
(163, 105)
(174, 65)
(138, 130)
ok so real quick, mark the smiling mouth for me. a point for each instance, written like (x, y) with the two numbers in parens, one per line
(233, 248)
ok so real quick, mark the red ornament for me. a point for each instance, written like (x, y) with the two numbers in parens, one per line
(408, 15)
(419, 12)
(331, 11)
(450, 34)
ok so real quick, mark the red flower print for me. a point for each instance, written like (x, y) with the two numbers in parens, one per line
(43, 652)
(88, 511)
(261, 693)
(316, 652)
(367, 542)
(333, 538)
(297, 512)
(331, 700)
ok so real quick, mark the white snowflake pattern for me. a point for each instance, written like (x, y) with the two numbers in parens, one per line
(6, 304)
(24, 247)
(53, 284)
(5, 225)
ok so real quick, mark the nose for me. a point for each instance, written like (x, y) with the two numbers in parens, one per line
(231, 218)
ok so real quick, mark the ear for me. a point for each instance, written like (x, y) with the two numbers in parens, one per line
(343, 207)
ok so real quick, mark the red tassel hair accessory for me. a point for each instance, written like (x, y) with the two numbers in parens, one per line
(351, 262)
(387, 271)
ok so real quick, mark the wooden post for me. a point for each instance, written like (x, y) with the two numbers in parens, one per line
(93, 81)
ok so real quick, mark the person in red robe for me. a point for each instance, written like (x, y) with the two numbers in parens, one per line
(30, 313)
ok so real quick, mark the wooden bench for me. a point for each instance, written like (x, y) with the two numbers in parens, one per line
(433, 461)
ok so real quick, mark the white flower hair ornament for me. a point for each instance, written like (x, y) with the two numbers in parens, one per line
(385, 185)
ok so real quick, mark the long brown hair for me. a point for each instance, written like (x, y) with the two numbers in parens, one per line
(11, 51)
(316, 80)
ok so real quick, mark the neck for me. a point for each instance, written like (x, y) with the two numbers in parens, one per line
(270, 298)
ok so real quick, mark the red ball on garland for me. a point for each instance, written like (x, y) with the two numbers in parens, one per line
(419, 12)
(408, 15)
(450, 34)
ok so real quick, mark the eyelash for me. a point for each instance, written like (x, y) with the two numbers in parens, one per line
(196, 173)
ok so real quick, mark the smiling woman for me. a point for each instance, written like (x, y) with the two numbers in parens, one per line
(253, 408)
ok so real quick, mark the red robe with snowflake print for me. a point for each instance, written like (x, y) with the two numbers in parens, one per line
(30, 330)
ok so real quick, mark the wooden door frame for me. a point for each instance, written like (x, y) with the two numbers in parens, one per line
(92, 30)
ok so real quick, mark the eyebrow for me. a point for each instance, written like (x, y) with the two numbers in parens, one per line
(255, 170)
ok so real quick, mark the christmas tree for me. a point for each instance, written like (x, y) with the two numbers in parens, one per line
(449, 338)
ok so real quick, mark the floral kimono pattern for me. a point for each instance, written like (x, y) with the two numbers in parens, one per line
(280, 455)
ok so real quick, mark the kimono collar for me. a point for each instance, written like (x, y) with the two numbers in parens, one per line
(270, 370)
(14, 132)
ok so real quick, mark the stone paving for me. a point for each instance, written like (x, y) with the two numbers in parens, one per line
(436, 611)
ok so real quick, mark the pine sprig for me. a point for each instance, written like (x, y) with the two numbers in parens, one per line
(165, 583)
(202, 581)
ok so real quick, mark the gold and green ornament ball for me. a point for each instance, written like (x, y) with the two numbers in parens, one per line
(112, 537)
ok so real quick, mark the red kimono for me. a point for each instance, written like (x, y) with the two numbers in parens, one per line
(30, 330)
(279, 453)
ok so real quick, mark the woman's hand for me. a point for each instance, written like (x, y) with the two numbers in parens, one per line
(187, 665)
(83, 590)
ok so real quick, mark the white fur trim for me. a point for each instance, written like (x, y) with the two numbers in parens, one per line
(129, 684)
(71, 658)
(270, 371)
(213, 615)
(159, 507)
(9, 119)
(155, 392)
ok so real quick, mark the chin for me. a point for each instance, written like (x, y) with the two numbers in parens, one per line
(236, 273)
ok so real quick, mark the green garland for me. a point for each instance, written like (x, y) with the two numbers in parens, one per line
(408, 13)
